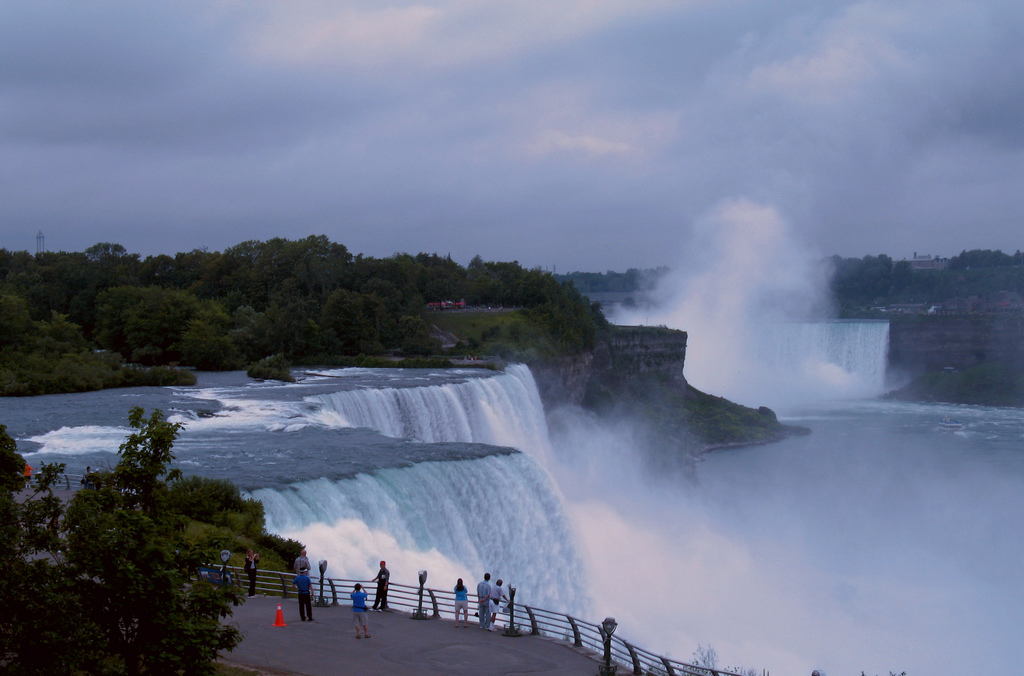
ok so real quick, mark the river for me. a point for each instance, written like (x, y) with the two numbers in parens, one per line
(878, 542)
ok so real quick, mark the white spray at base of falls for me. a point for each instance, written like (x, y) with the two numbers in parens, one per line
(500, 514)
(841, 357)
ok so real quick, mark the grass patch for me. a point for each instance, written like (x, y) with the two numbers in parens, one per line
(474, 326)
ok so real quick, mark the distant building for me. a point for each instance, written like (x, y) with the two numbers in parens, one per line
(928, 262)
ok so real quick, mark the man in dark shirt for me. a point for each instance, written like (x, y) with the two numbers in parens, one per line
(381, 597)
(303, 583)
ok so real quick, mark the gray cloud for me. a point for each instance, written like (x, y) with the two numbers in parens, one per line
(582, 135)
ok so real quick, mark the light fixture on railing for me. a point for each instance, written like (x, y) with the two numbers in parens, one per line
(607, 628)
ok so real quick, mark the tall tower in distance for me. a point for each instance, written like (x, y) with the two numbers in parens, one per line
(40, 243)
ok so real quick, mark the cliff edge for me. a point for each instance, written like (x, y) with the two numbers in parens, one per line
(636, 373)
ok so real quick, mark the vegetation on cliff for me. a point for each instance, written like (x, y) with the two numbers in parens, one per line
(638, 375)
(684, 418)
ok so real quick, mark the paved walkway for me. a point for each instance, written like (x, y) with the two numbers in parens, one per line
(400, 646)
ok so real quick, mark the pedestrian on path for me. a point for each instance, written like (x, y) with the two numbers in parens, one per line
(251, 559)
(359, 613)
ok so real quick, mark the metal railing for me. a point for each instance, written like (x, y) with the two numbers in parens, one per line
(438, 603)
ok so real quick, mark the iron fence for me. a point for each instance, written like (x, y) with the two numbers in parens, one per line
(529, 620)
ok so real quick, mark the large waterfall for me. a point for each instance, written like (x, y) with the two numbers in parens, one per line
(501, 513)
(856, 349)
(792, 365)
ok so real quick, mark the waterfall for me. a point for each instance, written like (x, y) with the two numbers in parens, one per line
(500, 514)
(858, 348)
(503, 410)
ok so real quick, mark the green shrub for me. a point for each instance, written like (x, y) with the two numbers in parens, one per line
(275, 367)
(286, 548)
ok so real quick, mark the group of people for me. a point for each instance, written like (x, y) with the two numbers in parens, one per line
(489, 598)
(303, 584)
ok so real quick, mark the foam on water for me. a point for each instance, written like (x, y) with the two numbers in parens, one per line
(81, 440)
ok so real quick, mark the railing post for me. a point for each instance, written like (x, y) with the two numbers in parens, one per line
(284, 584)
(534, 629)
(433, 601)
(637, 667)
(668, 667)
(334, 592)
(576, 640)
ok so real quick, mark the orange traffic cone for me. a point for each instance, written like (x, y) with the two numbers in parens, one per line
(279, 620)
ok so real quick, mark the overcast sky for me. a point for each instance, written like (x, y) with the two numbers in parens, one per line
(584, 135)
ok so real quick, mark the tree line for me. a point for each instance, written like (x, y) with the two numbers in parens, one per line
(860, 283)
(309, 300)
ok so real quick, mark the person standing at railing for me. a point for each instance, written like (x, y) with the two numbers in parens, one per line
(483, 600)
(87, 482)
(496, 595)
(381, 597)
(251, 559)
(301, 563)
(303, 584)
(359, 613)
(461, 604)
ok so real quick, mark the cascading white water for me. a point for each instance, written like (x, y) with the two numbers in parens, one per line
(504, 410)
(852, 352)
(499, 514)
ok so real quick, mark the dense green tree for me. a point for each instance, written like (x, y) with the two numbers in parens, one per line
(151, 618)
(983, 258)
(145, 324)
(15, 320)
(206, 343)
(416, 338)
(350, 322)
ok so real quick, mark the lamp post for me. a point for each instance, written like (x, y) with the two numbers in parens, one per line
(512, 629)
(321, 602)
(419, 614)
(607, 629)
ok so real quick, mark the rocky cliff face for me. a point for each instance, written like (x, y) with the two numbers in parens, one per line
(921, 344)
(622, 354)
